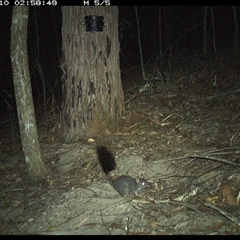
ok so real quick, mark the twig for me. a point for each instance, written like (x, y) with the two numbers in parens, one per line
(218, 160)
(228, 150)
(106, 226)
(136, 95)
(225, 214)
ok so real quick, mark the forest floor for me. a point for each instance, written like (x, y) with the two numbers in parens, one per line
(181, 129)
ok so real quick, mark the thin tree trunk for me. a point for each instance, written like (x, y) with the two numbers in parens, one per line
(205, 30)
(23, 93)
(139, 44)
(235, 42)
(214, 34)
(160, 34)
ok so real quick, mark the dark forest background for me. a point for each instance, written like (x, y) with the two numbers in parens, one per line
(181, 36)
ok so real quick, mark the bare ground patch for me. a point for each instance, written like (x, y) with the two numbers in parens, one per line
(182, 132)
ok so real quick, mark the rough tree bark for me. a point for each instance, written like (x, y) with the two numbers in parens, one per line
(24, 101)
(93, 98)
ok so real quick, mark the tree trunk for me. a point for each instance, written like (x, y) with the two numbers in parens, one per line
(205, 30)
(22, 87)
(92, 95)
(235, 42)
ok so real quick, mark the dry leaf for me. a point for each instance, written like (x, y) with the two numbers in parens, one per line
(152, 224)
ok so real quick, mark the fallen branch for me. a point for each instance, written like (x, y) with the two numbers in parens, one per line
(217, 159)
(225, 214)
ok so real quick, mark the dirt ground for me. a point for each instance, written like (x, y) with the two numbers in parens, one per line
(181, 129)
